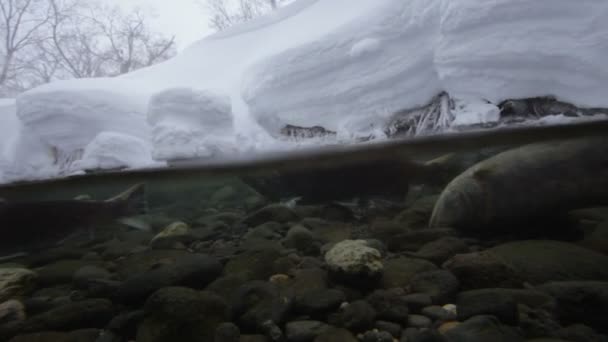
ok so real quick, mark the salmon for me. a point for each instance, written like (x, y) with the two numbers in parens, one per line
(536, 180)
(40, 224)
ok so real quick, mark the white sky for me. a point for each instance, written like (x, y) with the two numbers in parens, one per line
(186, 19)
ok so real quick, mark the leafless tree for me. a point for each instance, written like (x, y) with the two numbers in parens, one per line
(21, 28)
(226, 13)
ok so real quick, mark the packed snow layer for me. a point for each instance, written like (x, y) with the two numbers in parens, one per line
(341, 64)
(111, 150)
(187, 123)
(9, 129)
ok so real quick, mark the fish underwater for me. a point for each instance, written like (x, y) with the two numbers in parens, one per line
(537, 180)
(33, 225)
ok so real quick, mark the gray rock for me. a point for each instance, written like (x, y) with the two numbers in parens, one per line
(12, 311)
(482, 269)
(358, 316)
(392, 328)
(59, 272)
(415, 239)
(16, 282)
(335, 335)
(580, 333)
(487, 302)
(90, 313)
(227, 332)
(441, 285)
(191, 270)
(441, 250)
(254, 262)
(320, 301)
(181, 314)
(84, 275)
(418, 321)
(580, 302)
(482, 329)
(299, 237)
(308, 279)
(377, 336)
(390, 305)
(417, 215)
(125, 324)
(417, 301)
(304, 331)
(257, 302)
(354, 260)
(274, 212)
(436, 312)
(399, 272)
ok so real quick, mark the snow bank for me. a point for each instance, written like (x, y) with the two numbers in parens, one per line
(341, 64)
(66, 116)
(504, 49)
(111, 150)
(187, 123)
(9, 128)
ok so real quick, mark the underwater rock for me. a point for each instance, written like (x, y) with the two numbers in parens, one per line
(418, 321)
(257, 302)
(191, 270)
(273, 212)
(413, 240)
(304, 331)
(358, 316)
(182, 314)
(534, 261)
(256, 263)
(84, 275)
(418, 214)
(483, 329)
(16, 282)
(12, 311)
(597, 240)
(580, 302)
(227, 332)
(487, 302)
(436, 312)
(89, 313)
(60, 272)
(300, 238)
(399, 272)
(440, 250)
(336, 334)
(522, 183)
(172, 234)
(441, 285)
(318, 302)
(354, 259)
(390, 305)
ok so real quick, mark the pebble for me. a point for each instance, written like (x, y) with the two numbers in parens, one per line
(418, 321)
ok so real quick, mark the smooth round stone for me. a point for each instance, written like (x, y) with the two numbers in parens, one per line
(436, 312)
(418, 321)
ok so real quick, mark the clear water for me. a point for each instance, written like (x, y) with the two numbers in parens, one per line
(475, 237)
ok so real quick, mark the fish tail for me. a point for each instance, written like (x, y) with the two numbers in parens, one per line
(134, 198)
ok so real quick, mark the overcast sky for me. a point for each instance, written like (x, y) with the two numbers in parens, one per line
(184, 18)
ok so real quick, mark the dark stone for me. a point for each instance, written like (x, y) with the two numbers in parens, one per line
(441, 250)
(254, 262)
(399, 272)
(181, 314)
(227, 332)
(441, 285)
(537, 322)
(59, 272)
(580, 302)
(47, 336)
(194, 271)
(227, 286)
(414, 239)
(253, 338)
(425, 335)
(417, 215)
(336, 335)
(125, 324)
(481, 270)
(358, 316)
(319, 301)
(487, 302)
(377, 336)
(257, 302)
(418, 321)
(306, 280)
(482, 329)
(90, 313)
(299, 237)
(274, 212)
(304, 331)
(580, 333)
(273, 331)
(417, 301)
(437, 312)
(390, 305)
(392, 328)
